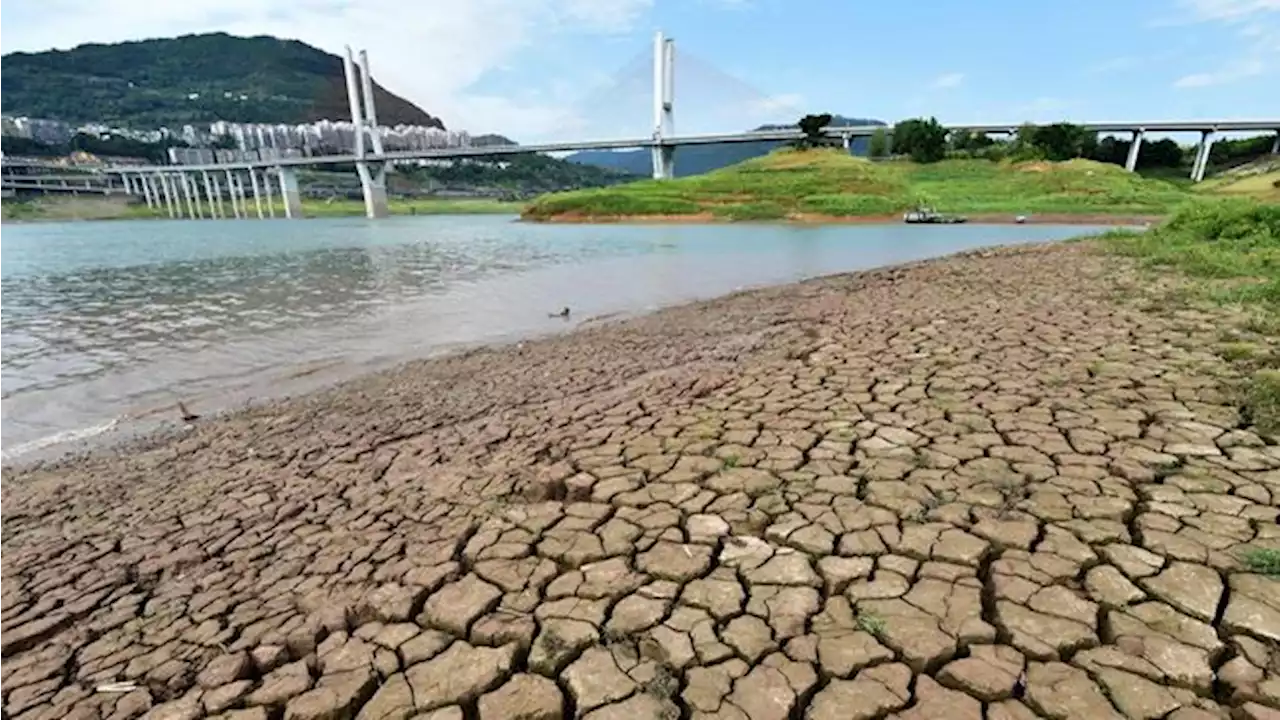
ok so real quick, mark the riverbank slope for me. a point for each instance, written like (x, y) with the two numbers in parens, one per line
(63, 208)
(831, 185)
(972, 481)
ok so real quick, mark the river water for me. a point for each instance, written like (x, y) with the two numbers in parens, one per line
(110, 324)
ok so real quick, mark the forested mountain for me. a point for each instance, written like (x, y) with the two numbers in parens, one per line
(194, 79)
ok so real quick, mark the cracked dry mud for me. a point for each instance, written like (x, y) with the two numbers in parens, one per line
(981, 487)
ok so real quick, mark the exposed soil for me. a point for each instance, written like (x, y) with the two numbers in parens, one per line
(982, 487)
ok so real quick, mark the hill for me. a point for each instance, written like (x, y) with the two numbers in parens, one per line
(194, 79)
(699, 159)
(1258, 179)
(829, 183)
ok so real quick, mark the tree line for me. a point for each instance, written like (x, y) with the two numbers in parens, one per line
(925, 140)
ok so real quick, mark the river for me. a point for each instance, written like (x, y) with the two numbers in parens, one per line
(108, 325)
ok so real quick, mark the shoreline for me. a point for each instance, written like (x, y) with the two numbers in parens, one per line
(1118, 220)
(63, 209)
(934, 479)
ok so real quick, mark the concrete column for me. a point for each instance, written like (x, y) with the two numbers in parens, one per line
(217, 193)
(239, 193)
(847, 141)
(373, 180)
(214, 210)
(231, 194)
(289, 190)
(190, 181)
(1275, 144)
(193, 210)
(1202, 156)
(1135, 147)
(147, 191)
(266, 186)
(257, 195)
(168, 195)
(663, 156)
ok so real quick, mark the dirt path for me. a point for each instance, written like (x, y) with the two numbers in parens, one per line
(978, 487)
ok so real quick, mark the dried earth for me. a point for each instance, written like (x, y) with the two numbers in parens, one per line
(982, 487)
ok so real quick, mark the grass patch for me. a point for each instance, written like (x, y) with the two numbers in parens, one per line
(1262, 401)
(1238, 351)
(787, 183)
(1265, 561)
(750, 211)
(1230, 246)
(871, 624)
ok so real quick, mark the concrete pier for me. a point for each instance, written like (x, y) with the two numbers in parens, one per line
(148, 191)
(289, 191)
(217, 193)
(266, 187)
(1135, 147)
(168, 194)
(214, 209)
(192, 194)
(231, 195)
(1201, 162)
(257, 194)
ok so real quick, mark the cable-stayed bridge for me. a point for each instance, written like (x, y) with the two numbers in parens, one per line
(636, 108)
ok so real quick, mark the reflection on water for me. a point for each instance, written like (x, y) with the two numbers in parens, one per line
(102, 320)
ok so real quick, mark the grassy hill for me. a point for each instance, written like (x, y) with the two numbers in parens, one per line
(1259, 179)
(829, 183)
(151, 83)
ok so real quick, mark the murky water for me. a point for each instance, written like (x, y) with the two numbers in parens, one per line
(116, 321)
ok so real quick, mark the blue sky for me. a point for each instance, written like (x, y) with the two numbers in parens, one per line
(1009, 60)
(549, 69)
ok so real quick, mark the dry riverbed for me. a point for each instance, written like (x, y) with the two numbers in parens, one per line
(987, 486)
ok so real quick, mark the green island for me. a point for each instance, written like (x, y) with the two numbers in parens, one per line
(827, 184)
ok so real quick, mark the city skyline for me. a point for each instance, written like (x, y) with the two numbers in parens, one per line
(315, 138)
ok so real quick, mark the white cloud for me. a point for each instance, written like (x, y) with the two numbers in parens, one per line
(948, 80)
(1229, 10)
(768, 108)
(1256, 23)
(1241, 70)
(432, 52)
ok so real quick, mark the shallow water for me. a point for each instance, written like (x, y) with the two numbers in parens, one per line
(112, 323)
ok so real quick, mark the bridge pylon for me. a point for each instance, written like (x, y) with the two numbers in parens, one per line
(664, 124)
(373, 175)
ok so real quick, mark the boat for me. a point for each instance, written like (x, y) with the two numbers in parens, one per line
(927, 215)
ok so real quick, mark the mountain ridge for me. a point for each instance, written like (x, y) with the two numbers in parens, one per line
(699, 159)
(190, 79)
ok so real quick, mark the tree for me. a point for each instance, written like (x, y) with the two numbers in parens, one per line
(1022, 146)
(811, 126)
(1161, 153)
(1060, 141)
(925, 140)
(879, 145)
